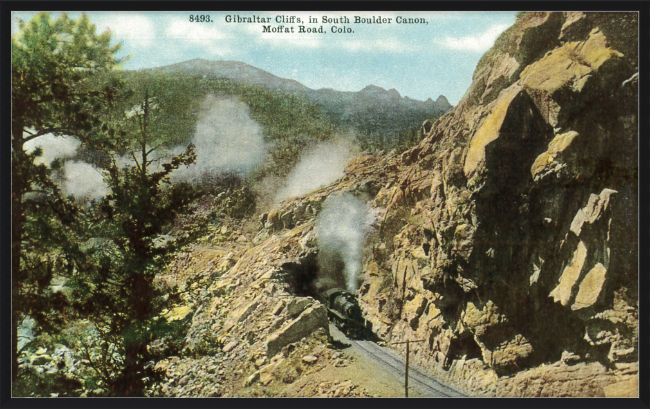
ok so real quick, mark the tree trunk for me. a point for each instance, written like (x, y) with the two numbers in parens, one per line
(130, 381)
(130, 386)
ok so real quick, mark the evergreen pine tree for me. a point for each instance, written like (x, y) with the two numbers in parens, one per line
(115, 288)
(52, 64)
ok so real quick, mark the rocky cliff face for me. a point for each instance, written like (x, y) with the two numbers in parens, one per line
(511, 237)
(507, 239)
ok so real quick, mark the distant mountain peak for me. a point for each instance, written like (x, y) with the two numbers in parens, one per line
(373, 88)
(237, 71)
(442, 100)
(375, 91)
(394, 92)
(442, 104)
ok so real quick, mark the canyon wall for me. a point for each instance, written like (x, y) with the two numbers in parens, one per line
(509, 241)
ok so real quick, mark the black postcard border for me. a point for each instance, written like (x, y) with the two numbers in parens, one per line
(643, 7)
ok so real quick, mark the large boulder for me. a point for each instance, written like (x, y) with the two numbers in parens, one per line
(309, 321)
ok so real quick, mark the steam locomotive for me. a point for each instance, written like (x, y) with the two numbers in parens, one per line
(344, 311)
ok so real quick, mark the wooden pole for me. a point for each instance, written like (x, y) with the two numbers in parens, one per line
(406, 373)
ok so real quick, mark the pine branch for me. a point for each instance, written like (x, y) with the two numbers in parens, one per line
(102, 374)
(136, 161)
(68, 131)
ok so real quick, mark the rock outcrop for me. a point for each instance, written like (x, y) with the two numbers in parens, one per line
(511, 237)
(307, 323)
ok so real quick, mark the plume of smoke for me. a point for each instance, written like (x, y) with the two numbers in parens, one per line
(124, 161)
(320, 166)
(54, 147)
(341, 229)
(266, 190)
(80, 179)
(227, 140)
(83, 181)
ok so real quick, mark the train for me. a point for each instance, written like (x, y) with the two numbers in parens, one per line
(344, 311)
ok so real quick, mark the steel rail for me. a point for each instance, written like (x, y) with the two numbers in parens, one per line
(419, 377)
(416, 371)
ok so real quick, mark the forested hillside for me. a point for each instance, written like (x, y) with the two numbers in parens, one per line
(380, 119)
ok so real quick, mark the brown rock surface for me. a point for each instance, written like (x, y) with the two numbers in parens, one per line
(528, 252)
(310, 320)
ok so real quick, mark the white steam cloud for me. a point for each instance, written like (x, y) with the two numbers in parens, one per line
(80, 179)
(227, 140)
(54, 147)
(319, 167)
(83, 181)
(341, 229)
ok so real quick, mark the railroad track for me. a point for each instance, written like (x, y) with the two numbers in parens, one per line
(422, 380)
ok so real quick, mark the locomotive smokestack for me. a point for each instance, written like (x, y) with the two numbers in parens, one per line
(342, 226)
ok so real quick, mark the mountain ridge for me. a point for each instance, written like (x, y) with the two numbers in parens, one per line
(235, 70)
(246, 73)
(379, 116)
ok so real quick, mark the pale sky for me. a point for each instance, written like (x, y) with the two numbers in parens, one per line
(419, 60)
